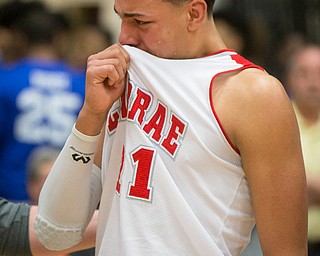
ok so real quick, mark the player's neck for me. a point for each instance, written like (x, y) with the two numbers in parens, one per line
(213, 41)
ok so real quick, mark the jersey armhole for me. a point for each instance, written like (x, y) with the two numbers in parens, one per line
(246, 64)
(217, 117)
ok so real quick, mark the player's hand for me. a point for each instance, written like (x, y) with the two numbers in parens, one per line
(105, 83)
(106, 78)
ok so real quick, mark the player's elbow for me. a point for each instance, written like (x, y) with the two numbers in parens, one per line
(56, 238)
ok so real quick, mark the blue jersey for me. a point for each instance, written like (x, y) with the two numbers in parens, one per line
(39, 103)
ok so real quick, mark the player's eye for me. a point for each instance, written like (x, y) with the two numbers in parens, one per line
(140, 22)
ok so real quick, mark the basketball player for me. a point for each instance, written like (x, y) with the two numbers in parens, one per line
(198, 145)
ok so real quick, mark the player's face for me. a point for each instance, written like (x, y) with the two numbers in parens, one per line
(155, 26)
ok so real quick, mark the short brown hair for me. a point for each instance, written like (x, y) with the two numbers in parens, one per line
(210, 4)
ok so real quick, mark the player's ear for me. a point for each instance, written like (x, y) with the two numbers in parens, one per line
(197, 13)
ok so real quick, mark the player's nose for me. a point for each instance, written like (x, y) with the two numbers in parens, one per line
(127, 35)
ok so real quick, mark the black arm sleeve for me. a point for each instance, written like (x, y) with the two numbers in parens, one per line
(14, 229)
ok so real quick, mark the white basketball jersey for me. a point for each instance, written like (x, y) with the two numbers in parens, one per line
(173, 184)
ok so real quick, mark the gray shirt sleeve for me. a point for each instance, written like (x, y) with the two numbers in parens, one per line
(14, 229)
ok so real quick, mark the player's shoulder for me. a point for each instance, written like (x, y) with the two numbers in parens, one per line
(249, 90)
(256, 83)
(257, 76)
(254, 100)
(258, 96)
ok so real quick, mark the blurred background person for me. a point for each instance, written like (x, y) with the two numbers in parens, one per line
(13, 45)
(39, 164)
(303, 84)
(40, 97)
(85, 40)
(290, 43)
(274, 24)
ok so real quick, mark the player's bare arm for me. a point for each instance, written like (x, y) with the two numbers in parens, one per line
(257, 114)
(105, 83)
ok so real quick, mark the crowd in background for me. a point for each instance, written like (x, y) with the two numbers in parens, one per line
(273, 29)
(43, 57)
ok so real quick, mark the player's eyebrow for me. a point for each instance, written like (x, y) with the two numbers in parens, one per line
(128, 15)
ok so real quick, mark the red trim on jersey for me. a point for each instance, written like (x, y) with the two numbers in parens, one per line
(246, 64)
(220, 51)
(243, 61)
